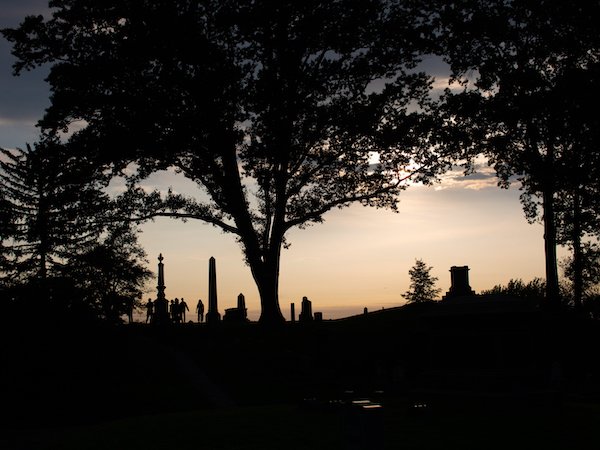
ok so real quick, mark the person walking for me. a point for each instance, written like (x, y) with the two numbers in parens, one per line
(129, 305)
(176, 312)
(200, 311)
(149, 311)
(183, 307)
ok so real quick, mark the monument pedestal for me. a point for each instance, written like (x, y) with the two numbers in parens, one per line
(213, 317)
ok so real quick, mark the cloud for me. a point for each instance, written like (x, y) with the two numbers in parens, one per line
(11, 122)
(441, 83)
(484, 177)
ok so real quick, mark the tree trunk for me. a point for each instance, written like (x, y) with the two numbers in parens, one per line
(270, 313)
(264, 267)
(552, 289)
(268, 285)
(577, 254)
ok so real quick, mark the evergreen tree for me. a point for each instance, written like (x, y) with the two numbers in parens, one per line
(422, 284)
(53, 210)
(65, 244)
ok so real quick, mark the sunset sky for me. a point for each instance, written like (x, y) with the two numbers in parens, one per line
(359, 257)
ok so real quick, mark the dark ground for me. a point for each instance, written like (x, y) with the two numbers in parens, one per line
(486, 381)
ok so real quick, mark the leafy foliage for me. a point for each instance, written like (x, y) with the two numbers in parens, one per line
(532, 290)
(589, 272)
(278, 111)
(65, 247)
(111, 274)
(530, 72)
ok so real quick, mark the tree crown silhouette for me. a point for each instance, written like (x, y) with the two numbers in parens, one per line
(279, 112)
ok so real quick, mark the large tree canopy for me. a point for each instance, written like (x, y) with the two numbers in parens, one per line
(530, 72)
(279, 111)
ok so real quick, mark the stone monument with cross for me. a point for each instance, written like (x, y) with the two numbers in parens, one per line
(161, 306)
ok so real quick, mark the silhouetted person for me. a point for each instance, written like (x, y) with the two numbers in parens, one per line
(172, 310)
(200, 310)
(129, 306)
(176, 311)
(183, 307)
(149, 311)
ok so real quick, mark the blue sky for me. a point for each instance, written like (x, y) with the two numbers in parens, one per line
(358, 257)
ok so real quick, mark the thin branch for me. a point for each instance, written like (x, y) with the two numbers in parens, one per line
(219, 223)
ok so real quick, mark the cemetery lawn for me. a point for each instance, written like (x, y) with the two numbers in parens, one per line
(290, 427)
(191, 387)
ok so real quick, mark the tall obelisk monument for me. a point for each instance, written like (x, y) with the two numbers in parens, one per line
(212, 316)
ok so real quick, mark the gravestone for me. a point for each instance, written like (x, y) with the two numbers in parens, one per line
(241, 306)
(363, 425)
(306, 312)
(239, 314)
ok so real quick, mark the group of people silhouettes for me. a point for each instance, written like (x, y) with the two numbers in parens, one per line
(176, 310)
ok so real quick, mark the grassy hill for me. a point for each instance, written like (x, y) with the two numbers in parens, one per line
(443, 373)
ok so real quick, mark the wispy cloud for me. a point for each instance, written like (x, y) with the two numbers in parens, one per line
(484, 177)
(11, 122)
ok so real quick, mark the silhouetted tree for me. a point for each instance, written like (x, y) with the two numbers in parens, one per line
(578, 228)
(278, 111)
(532, 290)
(7, 219)
(111, 273)
(530, 75)
(53, 211)
(584, 275)
(422, 284)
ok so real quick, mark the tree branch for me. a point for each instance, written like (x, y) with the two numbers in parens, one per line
(219, 223)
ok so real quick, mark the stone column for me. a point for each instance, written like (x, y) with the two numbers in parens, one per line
(161, 310)
(212, 316)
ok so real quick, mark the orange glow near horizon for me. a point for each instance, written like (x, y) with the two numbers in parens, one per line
(360, 257)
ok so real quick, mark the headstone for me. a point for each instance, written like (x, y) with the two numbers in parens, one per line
(241, 306)
(293, 312)
(212, 316)
(363, 425)
(239, 314)
(306, 312)
(318, 317)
